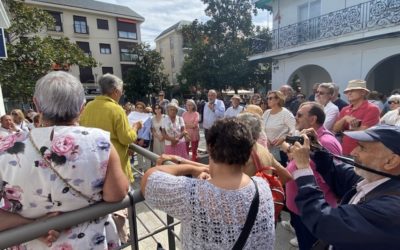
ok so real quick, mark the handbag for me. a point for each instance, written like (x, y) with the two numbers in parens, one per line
(251, 218)
(278, 194)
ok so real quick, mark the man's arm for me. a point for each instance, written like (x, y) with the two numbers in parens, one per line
(219, 108)
(340, 177)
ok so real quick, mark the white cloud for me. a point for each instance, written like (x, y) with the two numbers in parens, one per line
(162, 14)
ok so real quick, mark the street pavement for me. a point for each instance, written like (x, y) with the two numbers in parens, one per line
(147, 222)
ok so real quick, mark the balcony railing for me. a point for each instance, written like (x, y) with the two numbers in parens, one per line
(372, 15)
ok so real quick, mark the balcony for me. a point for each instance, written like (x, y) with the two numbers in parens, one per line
(368, 16)
(128, 57)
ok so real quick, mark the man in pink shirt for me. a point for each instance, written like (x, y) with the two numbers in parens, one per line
(359, 115)
(310, 119)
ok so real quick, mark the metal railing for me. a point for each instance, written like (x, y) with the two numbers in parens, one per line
(34, 230)
(371, 15)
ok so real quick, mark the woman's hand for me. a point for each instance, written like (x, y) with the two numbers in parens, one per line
(204, 176)
(163, 158)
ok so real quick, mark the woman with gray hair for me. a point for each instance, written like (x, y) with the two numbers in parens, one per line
(191, 118)
(60, 167)
(393, 116)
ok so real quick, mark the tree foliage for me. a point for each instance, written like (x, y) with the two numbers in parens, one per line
(146, 76)
(32, 55)
(219, 48)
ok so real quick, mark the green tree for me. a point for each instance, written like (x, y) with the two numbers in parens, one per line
(146, 76)
(219, 48)
(31, 55)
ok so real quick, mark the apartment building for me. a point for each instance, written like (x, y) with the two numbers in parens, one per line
(171, 46)
(105, 31)
(324, 41)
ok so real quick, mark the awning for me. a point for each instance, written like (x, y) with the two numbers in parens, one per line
(264, 4)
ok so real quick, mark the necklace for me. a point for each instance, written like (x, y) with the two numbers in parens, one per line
(50, 164)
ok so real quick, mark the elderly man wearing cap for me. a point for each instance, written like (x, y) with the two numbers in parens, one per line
(368, 216)
(235, 109)
(359, 115)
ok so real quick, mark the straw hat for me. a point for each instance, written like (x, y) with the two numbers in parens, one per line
(254, 109)
(236, 97)
(356, 84)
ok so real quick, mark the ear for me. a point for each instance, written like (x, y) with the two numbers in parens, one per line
(35, 101)
(392, 163)
(313, 119)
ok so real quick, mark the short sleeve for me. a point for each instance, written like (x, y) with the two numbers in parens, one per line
(168, 193)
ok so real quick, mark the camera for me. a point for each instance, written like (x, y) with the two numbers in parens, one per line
(292, 139)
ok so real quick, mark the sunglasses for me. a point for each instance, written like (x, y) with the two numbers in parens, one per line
(393, 102)
(14, 113)
(271, 98)
(320, 93)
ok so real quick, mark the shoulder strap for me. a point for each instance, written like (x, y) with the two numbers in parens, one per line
(251, 218)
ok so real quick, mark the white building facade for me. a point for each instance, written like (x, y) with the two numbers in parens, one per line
(334, 41)
(105, 31)
(171, 46)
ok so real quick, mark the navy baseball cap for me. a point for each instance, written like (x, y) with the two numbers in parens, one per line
(386, 134)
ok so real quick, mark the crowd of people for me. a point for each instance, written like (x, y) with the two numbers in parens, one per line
(334, 165)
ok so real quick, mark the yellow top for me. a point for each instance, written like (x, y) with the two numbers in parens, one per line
(105, 113)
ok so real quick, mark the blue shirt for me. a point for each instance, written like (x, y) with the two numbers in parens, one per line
(145, 132)
(210, 116)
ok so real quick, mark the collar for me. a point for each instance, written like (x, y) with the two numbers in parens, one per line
(366, 186)
(362, 106)
(105, 98)
(321, 131)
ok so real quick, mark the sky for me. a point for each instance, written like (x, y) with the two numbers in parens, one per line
(162, 14)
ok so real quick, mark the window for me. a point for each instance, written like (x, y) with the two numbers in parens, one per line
(126, 53)
(172, 61)
(107, 70)
(105, 48)
(80, 25)
(309, 10)
(171, 42)
(125, 68)
(57, 21)
(102, 24)
(126, 29)
(86, 75)
(85, 47)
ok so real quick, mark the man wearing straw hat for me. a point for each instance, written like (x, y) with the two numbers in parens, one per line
(359, 115)
(235, 109)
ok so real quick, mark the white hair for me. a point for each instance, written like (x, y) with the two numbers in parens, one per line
(59, 96)
(254, 123)
(395, 98)
(108, 83)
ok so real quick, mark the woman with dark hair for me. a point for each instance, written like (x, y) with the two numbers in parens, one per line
(60, 167)
(191, 118)
(213, 209)
(156, 130)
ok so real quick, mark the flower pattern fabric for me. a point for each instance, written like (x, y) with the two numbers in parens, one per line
(32, 189)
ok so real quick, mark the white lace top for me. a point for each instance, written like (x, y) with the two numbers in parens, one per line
(212, 218)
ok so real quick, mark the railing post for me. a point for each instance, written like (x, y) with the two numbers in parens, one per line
(171, 237)
(132, 223)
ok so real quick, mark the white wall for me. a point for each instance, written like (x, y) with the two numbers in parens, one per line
(343, 63)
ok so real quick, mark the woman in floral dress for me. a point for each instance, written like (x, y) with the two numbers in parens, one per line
(59, 168)
(173, 128)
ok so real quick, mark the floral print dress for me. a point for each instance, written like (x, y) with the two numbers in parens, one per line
(29, 187)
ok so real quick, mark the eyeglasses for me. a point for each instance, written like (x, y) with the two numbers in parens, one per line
(320, 93)
(393, 102)
(271, 98)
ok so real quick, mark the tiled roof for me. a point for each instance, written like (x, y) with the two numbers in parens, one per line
(96, 5)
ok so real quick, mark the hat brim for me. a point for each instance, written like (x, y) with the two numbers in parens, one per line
(360, 136)
(355, 88)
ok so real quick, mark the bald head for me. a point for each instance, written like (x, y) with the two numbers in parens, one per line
(212, 95)
(287, 91)
(6, 121)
